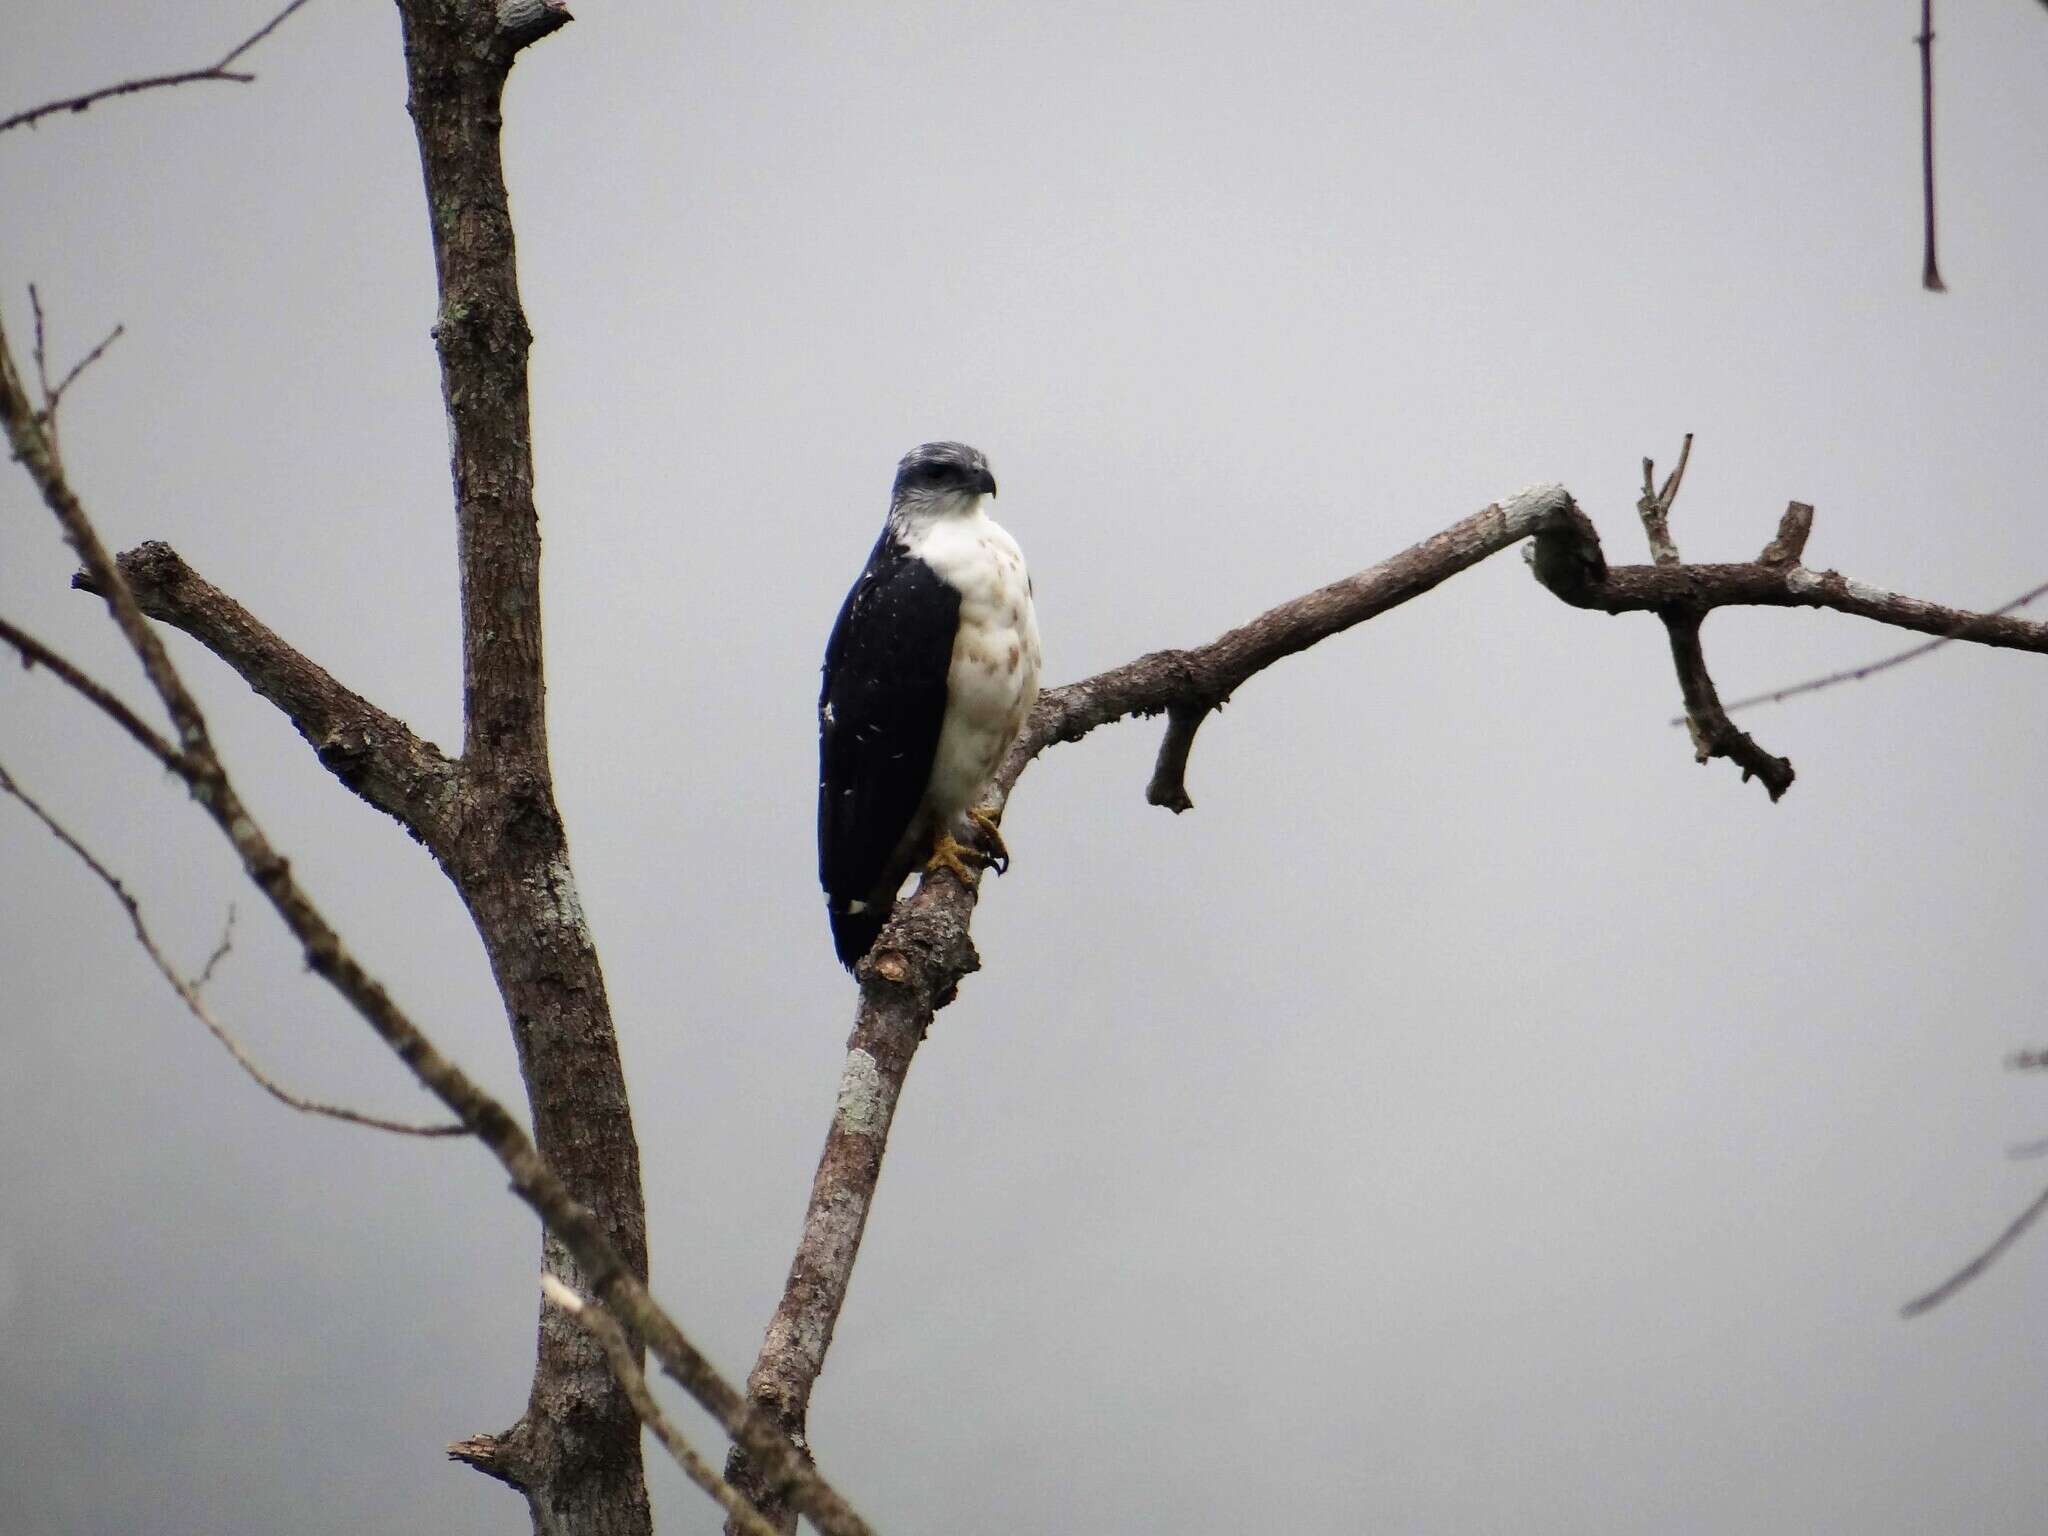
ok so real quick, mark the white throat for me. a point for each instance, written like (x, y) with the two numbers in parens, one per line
(914, 519)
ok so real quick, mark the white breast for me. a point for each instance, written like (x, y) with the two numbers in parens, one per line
(993, 681)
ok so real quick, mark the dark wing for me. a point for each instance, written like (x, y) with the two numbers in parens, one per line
(879, 715)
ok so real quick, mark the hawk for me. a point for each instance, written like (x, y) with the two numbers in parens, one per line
(929, 674)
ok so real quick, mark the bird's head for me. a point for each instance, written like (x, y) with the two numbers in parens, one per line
(936, 479)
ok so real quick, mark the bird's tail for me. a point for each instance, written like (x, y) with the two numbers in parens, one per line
(853, 932)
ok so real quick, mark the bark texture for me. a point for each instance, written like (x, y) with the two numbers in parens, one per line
(575, 1452)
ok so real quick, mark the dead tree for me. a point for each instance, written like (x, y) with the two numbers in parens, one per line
(488, 817)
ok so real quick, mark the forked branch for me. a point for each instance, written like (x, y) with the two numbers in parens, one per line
(191, 990)
(918, 963)
(372, 752)
(610, 1278)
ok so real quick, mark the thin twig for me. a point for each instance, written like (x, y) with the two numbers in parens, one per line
(1869, 669)
(220, 952)
(1979, 1264)
(216, 71)
(258, 35)
(1655, 505)
(36, 654)
(53, 394)
(40, 351)
(189, 991)
(605, 1328)
(57, 393)
(1930, 274)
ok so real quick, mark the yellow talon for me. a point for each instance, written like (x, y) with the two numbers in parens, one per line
(998, 851)
(949, 853)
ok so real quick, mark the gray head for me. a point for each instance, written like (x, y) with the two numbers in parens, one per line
(938, 476)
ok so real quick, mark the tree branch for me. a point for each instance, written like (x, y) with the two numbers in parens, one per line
(216, 71)
(1196, 682)
(578, 1442)
(916, 965)
(921, 957)
(612, 1276)
(374, 753)
(1636, 588)
(620, 1352)
(53, 394)
(456, 81)
(1930, 273)
(1980, 1263)
(1713, 734)
(36, 654)
(1654, 506)
(1871, 668)
(190, 991)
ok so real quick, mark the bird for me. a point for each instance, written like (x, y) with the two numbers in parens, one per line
(931, 668)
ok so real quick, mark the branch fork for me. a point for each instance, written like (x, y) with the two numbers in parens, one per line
(926, 950)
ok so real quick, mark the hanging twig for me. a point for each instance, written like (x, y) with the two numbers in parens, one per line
(1930, 274)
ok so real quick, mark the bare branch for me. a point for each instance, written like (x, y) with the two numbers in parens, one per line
(1979, 1264)
(1930, 273)
(1654, 506)
(217, 70)
(36, 654)
(1637, 588)
(1789, 546)
(580, 1232)
(258, 35)
(1169, 785)
(190, 991)
(220, 952)
(916, 966)
(1196, 682)
(374, 753)
(53, 394)
(612, 1338)
(1713, 734)
(1871, 669)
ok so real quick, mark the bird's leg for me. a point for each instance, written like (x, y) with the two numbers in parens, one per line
(949, 853)
(998, 851)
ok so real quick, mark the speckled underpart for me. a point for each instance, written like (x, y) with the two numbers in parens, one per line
(993, 680)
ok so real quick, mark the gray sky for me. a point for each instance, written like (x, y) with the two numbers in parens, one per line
(1473, 1117)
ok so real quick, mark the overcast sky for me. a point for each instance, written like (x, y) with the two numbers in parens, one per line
(1472, 1117)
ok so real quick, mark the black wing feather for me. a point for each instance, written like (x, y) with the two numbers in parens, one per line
(879, 716)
